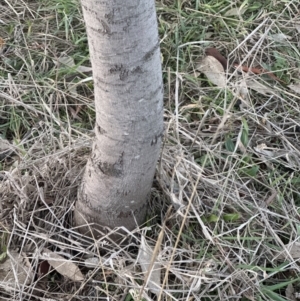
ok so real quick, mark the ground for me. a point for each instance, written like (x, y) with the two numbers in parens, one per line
(224, 217)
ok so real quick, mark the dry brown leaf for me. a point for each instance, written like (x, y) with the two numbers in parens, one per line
(280, 37)
(217, 55)
(295, 87)
(84, 69)
(236, 11)
(213, 70)
(258, 87)
(294, 252)
(258, 70)
(144, 259)
(92, 263)
(63, 266)
(2, 45)
(75, 113)
(290, 292)
(5, 148)
(242, 89)
(15, 266)
(68, 61)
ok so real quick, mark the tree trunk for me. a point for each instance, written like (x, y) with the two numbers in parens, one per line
(125, 57)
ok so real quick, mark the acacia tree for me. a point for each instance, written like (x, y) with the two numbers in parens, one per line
(125, 56)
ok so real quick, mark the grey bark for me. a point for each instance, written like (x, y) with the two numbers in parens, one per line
(125, 56)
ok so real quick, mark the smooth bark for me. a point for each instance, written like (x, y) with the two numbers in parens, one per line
(125, 56)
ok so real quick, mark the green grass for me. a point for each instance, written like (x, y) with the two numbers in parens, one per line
(230, 168)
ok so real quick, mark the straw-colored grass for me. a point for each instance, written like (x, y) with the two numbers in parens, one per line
(224, 216)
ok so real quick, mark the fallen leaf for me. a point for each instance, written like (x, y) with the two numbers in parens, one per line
(295, 87)
(74, 113)
(84, 69)
(258, 87)
(258, 70)
(242, 89)
(92, 263)
(217, 55)
(5, 148)
(16, 270)
(272, 75)
(293, 250)
(44, 268)
(144, 259)
(290, 292)
(213, 70)
(2, 45)
(284, 157)
(280, 37)
(236, 11)
(67, 61)
(264, 150)
(63, 266)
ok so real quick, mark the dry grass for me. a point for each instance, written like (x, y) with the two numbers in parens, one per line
(224, 219)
